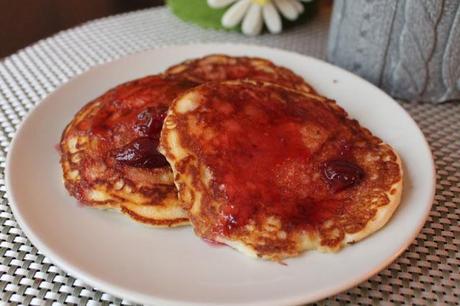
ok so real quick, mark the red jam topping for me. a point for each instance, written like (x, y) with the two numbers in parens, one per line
(127, 120)
(213, 242)
(142, 153)
(267, 159)
(342, 174)
(150, 121)
(255, 159)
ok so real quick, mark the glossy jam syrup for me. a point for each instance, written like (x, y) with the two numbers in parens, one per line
(342, 174)
(142, 153)
(150, 121)
(262, 166)
(127, 120)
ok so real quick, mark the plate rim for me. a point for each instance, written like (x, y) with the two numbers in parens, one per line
(121, 292)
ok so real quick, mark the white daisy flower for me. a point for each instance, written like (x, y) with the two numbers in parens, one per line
(254, 13)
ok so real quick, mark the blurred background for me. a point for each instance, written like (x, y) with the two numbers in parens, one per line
(24, 22)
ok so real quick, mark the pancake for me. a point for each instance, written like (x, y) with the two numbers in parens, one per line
(272, 171)
(109, 157)
(89, 145)
(219, 67)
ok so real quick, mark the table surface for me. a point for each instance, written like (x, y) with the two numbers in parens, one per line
(427, 273)
(40, 19)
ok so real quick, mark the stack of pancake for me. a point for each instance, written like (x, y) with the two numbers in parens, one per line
(243, 150)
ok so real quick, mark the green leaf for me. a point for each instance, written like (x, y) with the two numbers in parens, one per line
(198, 12)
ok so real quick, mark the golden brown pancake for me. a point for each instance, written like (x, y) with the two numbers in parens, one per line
(109, 156)
(271, 171)
(98, 142)
(219, 67)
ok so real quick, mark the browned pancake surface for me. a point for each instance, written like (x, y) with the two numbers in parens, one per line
(219, 67)
(272, 171)
(109, 154)
(103, 136)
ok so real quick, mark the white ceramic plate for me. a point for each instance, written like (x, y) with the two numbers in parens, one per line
(173, 266)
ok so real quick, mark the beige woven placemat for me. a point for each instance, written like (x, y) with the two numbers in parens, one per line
(427, 273)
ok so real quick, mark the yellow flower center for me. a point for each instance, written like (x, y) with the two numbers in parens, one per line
(261, 2)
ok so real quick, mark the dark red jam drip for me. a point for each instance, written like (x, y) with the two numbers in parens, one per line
(213, 242)
(142, 153)
(342, 174)
(149, 122)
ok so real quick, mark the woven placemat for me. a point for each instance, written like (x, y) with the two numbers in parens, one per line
(427, 273)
